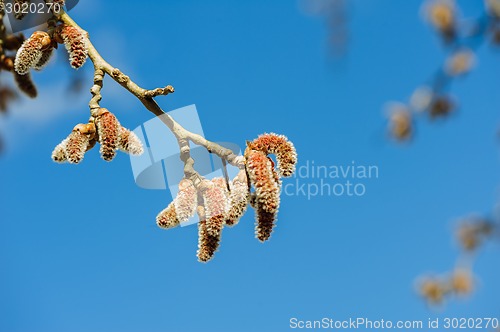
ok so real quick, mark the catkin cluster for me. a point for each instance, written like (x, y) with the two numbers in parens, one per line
(11, 44)
(103, 128)
(435, 290)
(461, 37)
(217, 206)
(221, 204)
(36, 51)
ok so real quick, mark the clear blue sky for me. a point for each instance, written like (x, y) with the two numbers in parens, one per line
(79, 248)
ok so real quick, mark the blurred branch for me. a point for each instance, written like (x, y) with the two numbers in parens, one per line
(336, 16)
(461, 38)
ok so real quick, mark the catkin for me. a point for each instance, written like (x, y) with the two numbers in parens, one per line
(186, 200)
(25, 84)
(76, 146)
(108, 129)
(130, 143)
(75, 42)
(207, 242)
(262, 177)
(216, 206)
(168, 217)
(31, 51)
(44, 59)
(238, 199)
(280, 146)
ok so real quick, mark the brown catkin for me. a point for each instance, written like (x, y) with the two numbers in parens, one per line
(75, 42)
(25, 84)
(31, 51)
(207, 242)
(168, 217)
(76, 146)
(59, 153)
(186, 200)
(108, 130)
(216, 206)
(280, 146)
(238, 199)
(263, 178)
(130, 143)
(44, 59)
(265, 222)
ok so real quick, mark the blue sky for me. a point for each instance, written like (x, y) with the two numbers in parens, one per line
(79, 248)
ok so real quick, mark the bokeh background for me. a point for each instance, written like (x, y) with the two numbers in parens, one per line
(79, 247)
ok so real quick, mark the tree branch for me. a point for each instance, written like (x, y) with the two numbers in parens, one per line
(146, 97)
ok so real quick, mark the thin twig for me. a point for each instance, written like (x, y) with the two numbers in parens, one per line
(146, 97)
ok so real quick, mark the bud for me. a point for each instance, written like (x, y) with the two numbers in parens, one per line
(460, 62)
(75, 42)
(400, 122)
(462, 281)
(441, 106)
(433, 290)
(441, 14)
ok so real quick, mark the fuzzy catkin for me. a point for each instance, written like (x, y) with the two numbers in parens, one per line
(280, 146)
(59, 153)
(44, 59)
(75, 42)
(76, 146)
(265, 223)
(222, 184)
(186, 200)
(108, 130)
(207, 243)
(216, 205)
(238, 199)
(263, 178)
(130, 143)
(168, 217)
(31, 51)
(25, 84)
